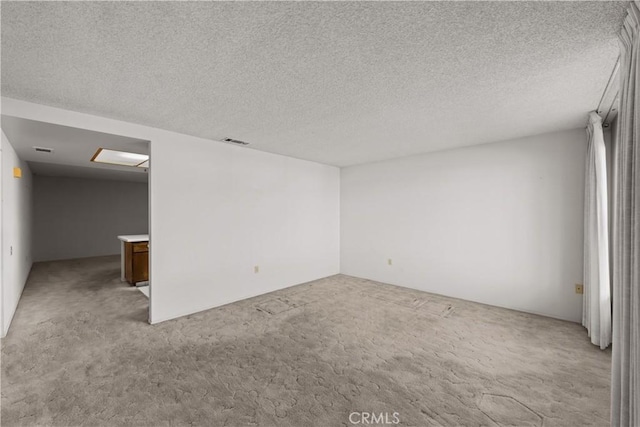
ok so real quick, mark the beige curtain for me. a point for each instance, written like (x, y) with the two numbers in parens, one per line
(625, 372)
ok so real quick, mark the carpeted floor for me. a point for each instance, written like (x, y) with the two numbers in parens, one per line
(80, 352)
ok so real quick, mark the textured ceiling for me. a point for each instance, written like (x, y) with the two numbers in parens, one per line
(338, 83)
(72, 150)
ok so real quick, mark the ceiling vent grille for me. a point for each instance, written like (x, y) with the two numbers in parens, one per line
(235, 141)
(43, 149)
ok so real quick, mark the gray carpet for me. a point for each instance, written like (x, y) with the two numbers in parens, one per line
(80, 352)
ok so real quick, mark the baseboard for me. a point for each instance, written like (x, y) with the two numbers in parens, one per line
(231, 301)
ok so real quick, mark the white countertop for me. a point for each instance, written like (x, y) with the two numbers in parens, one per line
(131, 238)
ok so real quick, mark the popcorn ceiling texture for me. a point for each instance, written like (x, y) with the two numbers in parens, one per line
(80, 352)
(338, 83)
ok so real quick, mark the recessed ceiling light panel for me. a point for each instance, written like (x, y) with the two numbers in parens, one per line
(121, 158)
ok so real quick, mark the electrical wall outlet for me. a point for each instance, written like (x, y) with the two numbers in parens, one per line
(256, 269)
(579, 289)
(390, 261)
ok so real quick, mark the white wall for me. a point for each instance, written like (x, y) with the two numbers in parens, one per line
(218, 210)
(16, 231)
(500, 223)
(77, 218)
(234, 209)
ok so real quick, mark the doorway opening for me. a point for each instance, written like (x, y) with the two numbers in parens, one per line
(88, 191)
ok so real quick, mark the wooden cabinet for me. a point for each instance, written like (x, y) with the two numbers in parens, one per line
(136, 262)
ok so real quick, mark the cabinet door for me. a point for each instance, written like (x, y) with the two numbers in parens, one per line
(140, 266)
(128, 262)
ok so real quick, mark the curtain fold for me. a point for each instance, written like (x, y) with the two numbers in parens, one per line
(625, 369)
(596, 310)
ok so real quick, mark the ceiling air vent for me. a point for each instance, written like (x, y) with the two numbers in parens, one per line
(43, 149)
(235, 141)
